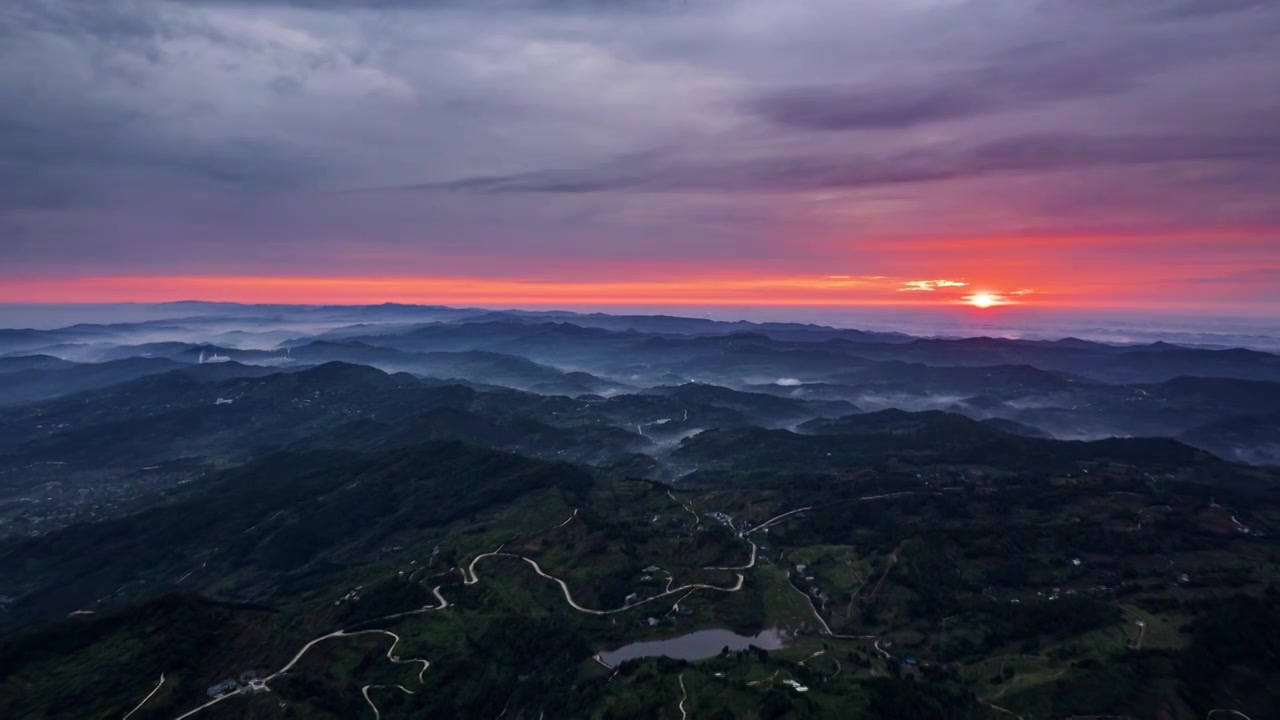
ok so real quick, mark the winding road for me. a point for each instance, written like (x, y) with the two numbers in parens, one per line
(263, 685)
(750, 563)
(684, 695)
(826, 629)
(1142, 626)
(696, 518)
(343, 633)
(881, 650)
(819, 653)
(377, 714)
(893, 560)
(471, 578)
(779, 518)
(994, 706)
(424, 609)
(145, 699)
(1225, 710)
(776, 519)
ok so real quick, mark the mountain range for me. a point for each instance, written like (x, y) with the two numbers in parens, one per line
(401, 512)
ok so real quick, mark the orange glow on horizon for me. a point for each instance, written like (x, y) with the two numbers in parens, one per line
(827, 290)
(1098, 271)
(674, 290)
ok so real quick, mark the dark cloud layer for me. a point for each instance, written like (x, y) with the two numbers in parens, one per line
(1025, 154)
(1019, 80)
(478, 5)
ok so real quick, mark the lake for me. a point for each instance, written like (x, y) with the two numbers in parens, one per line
(698, 645)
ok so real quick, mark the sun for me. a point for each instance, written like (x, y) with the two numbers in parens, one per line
(983, 300)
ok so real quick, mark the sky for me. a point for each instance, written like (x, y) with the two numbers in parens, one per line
(1055, 154)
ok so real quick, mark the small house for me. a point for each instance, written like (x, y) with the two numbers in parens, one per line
(221, 688)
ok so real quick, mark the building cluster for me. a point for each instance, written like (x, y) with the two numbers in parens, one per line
(721, 518)
(222, 688)
(250, 680)
(815, 592)
(352, 596)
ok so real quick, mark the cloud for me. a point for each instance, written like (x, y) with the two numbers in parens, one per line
(474, 5)
(1030, 153)
(56, 164)
(1198, 8)
(930, 285)
(546, 136)
(108, 118)
(1019, 80)
(1255, 275)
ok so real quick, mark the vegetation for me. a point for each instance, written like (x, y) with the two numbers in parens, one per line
(419, 547)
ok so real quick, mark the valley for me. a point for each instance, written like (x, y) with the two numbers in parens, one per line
(342, 542)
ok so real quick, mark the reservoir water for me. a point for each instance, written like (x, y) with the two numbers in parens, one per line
(698, 645)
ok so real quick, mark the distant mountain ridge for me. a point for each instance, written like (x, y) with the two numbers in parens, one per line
(1069, 388)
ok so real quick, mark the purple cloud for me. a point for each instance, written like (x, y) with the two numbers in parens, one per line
(387, 135)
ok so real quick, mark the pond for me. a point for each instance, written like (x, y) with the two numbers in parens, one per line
(698, 645)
